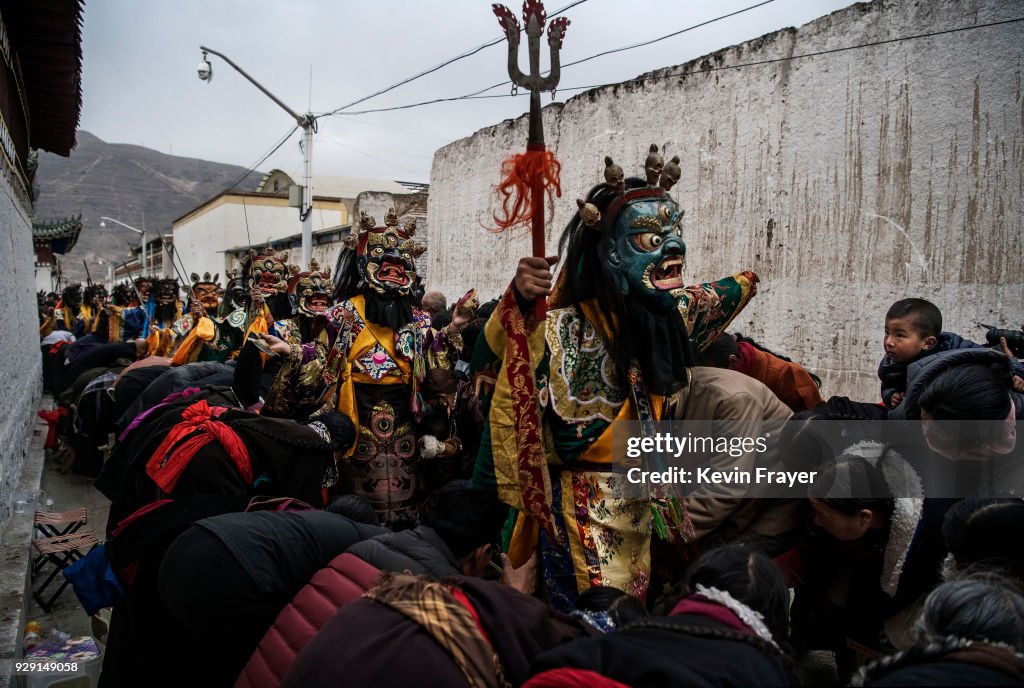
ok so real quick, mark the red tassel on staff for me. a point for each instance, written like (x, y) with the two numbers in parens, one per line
(527, 179)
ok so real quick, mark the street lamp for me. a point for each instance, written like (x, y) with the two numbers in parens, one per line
(110, 273)
(306, 121)
(137, 231)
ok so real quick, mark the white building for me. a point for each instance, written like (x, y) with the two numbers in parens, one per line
(205, 236)
(328, 243)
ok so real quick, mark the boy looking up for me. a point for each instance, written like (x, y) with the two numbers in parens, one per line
(913, 330)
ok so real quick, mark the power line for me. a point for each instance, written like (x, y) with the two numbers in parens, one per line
(430, 102)
(641, 44)
(252, 168)
(804, 55)
(418, 134)
(476, 95)
(338, 142)
(425, 72)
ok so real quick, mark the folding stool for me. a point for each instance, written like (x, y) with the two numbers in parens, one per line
(54, 524)
(61, 551)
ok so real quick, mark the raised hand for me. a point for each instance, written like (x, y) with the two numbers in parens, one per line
(533, 277)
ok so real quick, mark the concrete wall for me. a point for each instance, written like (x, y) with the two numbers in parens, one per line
(43, 277)
(20, 362)
(201, 240)
(325, 254)
(846, 180)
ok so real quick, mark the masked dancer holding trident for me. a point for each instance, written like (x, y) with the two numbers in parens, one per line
(614, 344)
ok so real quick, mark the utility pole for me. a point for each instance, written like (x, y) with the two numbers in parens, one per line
(308, 124)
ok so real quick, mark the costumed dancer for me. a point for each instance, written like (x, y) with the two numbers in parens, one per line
(95, 295)
(166, 314)
(378, 360)
(68, 312)
(292, 396)
(615, 347)
(267, 282)
(204, 336)
(379, 353)
(310, 294)
(120, 321)
(144, 295)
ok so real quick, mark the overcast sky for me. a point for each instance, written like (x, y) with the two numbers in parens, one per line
(140, 59)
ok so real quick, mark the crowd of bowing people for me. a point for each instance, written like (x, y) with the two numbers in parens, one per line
(309, 484)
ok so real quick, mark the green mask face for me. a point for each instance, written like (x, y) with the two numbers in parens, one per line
(644, 253)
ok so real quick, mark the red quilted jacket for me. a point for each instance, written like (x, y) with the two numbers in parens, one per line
(343, 580)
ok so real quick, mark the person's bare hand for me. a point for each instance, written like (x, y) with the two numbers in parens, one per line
(276, 344)
(524, 578)
(1018, 383)
(460, 317)
(896, 399)
(533, 277)
(256, 297)
(1004, 346)
(197, 310)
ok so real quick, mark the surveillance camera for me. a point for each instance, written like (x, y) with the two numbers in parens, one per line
(205, 70)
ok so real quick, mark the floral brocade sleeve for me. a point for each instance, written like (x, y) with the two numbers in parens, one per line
(709, 308)
(444, 347)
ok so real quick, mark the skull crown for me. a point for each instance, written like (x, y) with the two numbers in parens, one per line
(656, 170)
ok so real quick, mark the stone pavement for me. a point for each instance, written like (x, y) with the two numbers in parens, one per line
(68, 491)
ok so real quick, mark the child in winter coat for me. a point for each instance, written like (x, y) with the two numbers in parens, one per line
(913, 330)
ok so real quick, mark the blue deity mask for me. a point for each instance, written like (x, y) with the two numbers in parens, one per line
(643, 251)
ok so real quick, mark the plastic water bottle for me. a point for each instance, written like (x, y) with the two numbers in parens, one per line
(33, 631)
(44, 502)
(57, 637)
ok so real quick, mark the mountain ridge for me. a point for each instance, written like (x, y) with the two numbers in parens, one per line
(139, 186)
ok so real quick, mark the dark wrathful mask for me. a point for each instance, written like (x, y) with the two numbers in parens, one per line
(643, 252)
(72, 296)
(237, 293)
(144, 287)
(310, 292)
(121, 295)
(387, 256)
(95, 293)
(167, 292)
(269, 274)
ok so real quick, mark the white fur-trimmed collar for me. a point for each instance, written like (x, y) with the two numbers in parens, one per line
(753, 619)
(903, 481)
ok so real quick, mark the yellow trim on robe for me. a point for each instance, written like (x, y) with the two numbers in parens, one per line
(370, 335)
(524, 540)
(502, 415)
(202, 332)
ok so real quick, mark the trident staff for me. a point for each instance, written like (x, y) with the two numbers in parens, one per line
(534, 173)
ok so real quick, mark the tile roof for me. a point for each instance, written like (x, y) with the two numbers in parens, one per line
(62, 235)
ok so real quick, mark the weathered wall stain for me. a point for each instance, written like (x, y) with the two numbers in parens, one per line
(846, 180)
